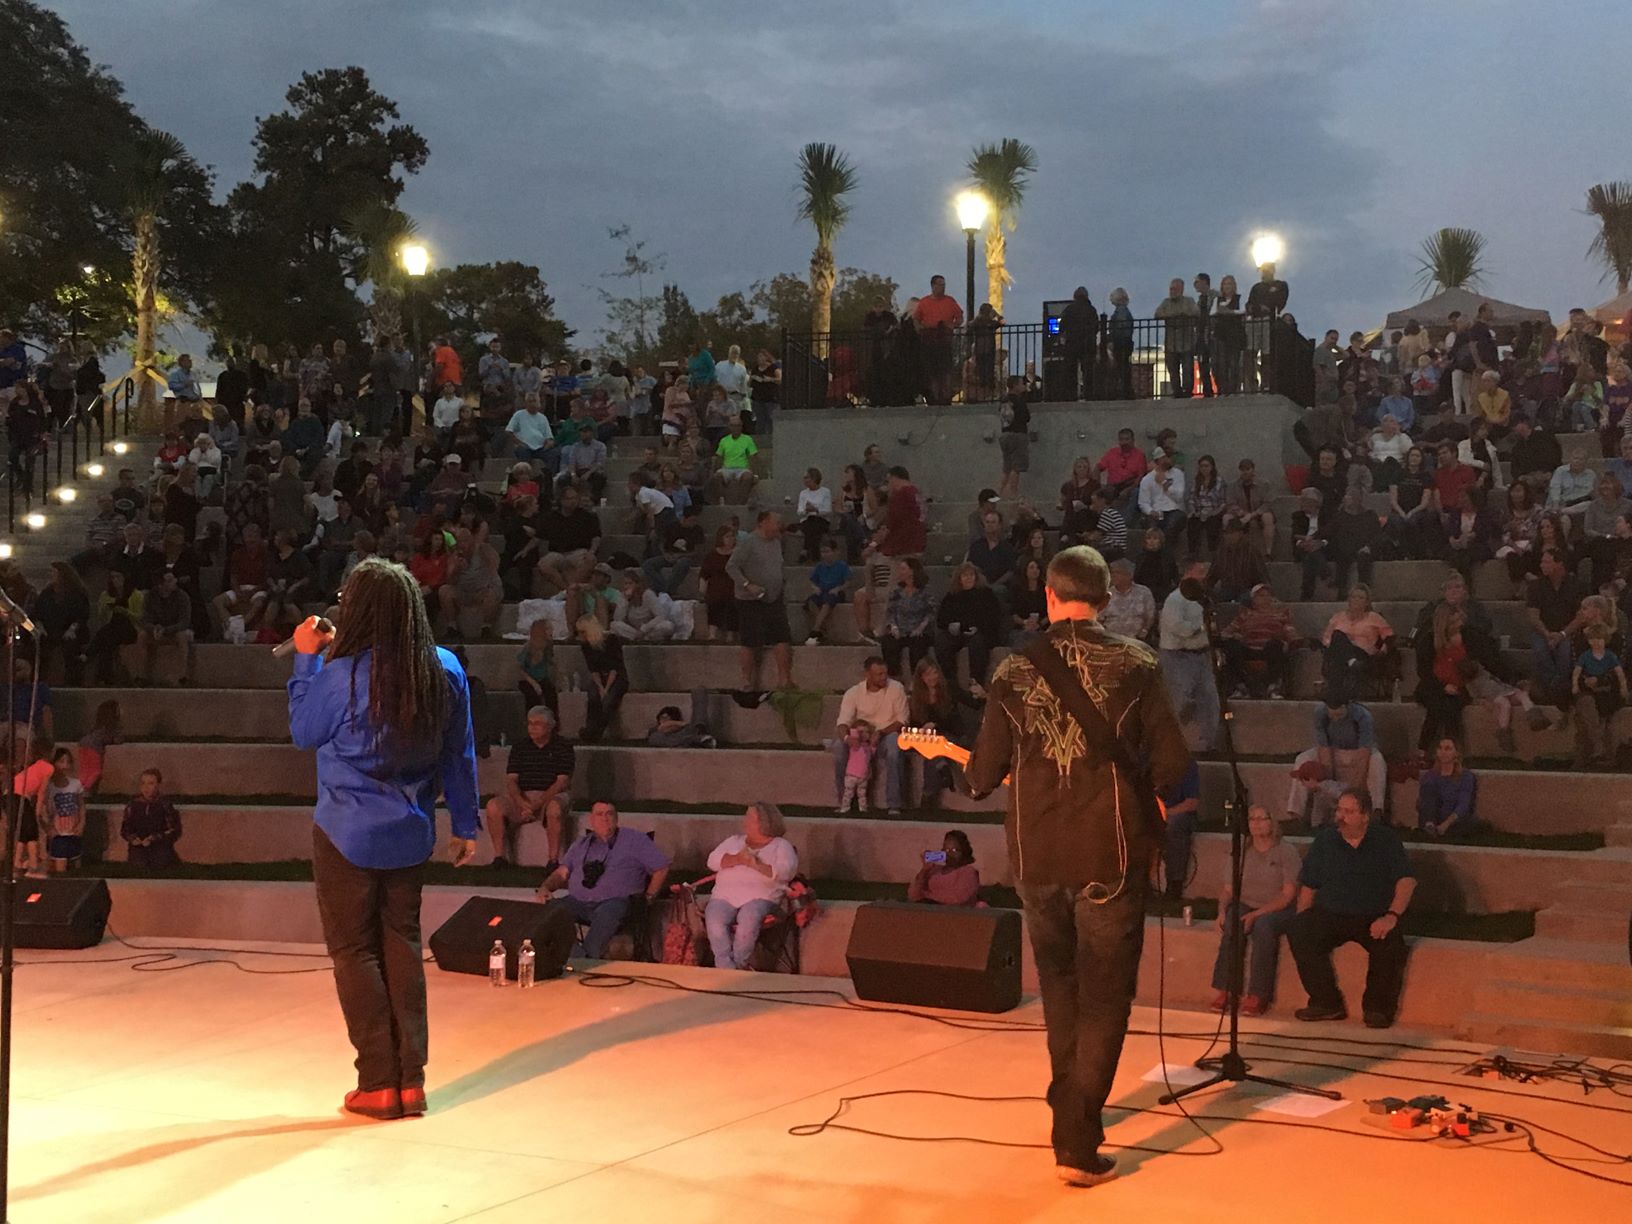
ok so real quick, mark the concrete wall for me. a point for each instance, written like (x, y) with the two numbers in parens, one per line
(948, 452)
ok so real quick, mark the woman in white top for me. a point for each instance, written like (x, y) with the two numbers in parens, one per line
(751, 874)
(1477, 450)
(815, 511)
(206, 457)
(641, 616)
(732, 376)
(1389, 447)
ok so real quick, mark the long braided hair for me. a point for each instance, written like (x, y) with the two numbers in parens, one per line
(381, 610)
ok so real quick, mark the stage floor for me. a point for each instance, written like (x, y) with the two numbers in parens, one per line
(210, 1095)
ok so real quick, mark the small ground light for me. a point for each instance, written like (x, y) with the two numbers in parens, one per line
(120, 448)
(35, 520)
(5, 552)
(93, 470)
(66, 495)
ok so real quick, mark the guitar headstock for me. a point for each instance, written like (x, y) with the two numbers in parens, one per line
(926, 742)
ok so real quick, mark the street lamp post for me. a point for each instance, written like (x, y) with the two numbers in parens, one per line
(972, 209)
(416, 259)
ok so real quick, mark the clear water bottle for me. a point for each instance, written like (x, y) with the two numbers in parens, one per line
(524, 965)
(495, 963)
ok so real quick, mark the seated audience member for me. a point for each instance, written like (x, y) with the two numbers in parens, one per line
(1309, 541)
(880, 702)
(1027, 601)
(735, 475)
(1131, 611)
(1161, 496)
(1598, 688)
(1571, 489)
(1358, 641)
(1238, 566)
(151, 826)
(1204, 506)
(537, 786)
(1553, 606)
(1471, 533)
(1517, 545)
(1075, 495)
(1257, 645)
(62, 621)
(829, 587)
(814, 510)
(583, 464)
(672, 729)
(536, 662)
(1388, 448)
(936, 702)
(1186, 659)
(94, 744)
(605, 874)
(608, 676)
(473, 584)
(970, 618)
(1535, 456)
(167, 619)
(1182, 804)
(909, 617)
(641, 616)
(1354, 887)
(1263, 911)
(1353, 536)
(1603, 547)
(60, 810)
(247, 580)
(991, 552)
(1154, 567)
(1246, 503)
(1108, 529)
(947, 878)
(751, 874)
(1411, 524)
(1445, 793)
(1345, 756)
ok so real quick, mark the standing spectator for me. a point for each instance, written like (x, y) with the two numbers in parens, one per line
(537, 786)
(905, 532)
(1265, 302)
(1131, 609)
(1181, 317)
(752, 870)
(858, 768)
(1186, 659)
(1354, 888)
(604, 875)
(1119, 334)
(719, 588)
(1206, 299)
(1598, 688)
(151, 826)
(755, 567)
(182, 383)
(765, 390)
(731, 376)
(1229, 336)
(57, 375)
(700, 366)
(1079, 335)
(951, 877)
(937, 318)
(25, 429)
(1445, 793)
(1269, 887)
(1014, 439)
(60, 809)
(1258, 643)
(881, 703)
(1345, 754)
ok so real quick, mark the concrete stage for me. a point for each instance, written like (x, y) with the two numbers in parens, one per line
(211, 1095)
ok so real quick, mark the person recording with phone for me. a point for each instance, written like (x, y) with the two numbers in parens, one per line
(948, 875)
(388, 713)
(1080, 721)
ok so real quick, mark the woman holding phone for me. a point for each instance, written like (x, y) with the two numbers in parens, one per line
(948, 876)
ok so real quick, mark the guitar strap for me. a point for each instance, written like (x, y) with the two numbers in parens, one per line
(1096, 728)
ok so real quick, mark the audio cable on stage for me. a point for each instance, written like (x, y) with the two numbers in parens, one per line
(164, 958)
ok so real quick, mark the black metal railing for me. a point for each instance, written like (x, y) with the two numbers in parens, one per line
(1125, 359)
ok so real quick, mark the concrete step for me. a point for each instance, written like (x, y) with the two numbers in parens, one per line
(1561, 1037)
(1563, 921)
(1611, 896)
(1618, 835)
(1609, 1005)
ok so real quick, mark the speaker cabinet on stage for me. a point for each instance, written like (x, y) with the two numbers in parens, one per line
(62, 912)
(936, 956)
(461, 944)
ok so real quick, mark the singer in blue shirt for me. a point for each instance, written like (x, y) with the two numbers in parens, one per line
(388, 712)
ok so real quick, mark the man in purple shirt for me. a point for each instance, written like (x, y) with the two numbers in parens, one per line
(604, 872)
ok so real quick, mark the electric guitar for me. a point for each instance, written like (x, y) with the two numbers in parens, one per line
(929, 744)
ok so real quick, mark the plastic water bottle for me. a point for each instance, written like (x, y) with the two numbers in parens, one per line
(495, 963)
(524, 965)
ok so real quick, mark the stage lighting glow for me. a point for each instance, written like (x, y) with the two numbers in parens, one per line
(972, 210)
(1267, 248)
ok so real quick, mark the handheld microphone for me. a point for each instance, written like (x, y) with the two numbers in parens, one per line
(12, 613)
(286, 648)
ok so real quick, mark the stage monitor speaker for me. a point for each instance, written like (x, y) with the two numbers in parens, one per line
(461, 944)
(62, 912)
(936, 956)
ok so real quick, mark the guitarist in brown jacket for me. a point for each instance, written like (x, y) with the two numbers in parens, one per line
(1081, 721)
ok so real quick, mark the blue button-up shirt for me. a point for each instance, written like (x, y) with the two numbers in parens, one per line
(378, 813)
(183, 384)
(1354, 730)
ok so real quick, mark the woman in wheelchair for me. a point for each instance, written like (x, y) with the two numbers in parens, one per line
(752, 870)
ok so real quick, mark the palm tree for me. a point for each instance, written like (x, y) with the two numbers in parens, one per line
(1451, 259)
(1001, 173)
(825, 178)
(381, 230)
(147, 181)
(1611, 203)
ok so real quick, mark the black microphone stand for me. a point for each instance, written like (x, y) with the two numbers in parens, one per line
(1230, 1067)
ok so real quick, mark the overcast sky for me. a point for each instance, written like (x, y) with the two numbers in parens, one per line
(1168, 132)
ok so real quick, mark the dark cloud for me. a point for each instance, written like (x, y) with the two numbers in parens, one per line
(1167, 136)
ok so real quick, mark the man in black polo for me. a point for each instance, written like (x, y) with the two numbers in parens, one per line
(1553, 606)
(571, 532)
(537, 786)
(1354, 888)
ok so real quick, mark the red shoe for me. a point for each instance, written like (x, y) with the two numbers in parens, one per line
(1221, 1002)
(383, 1104)
(413, 1102)
(1253, 1006)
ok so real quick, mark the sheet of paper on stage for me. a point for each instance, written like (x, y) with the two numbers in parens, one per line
(1299, 1105)
(1177, 1076)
